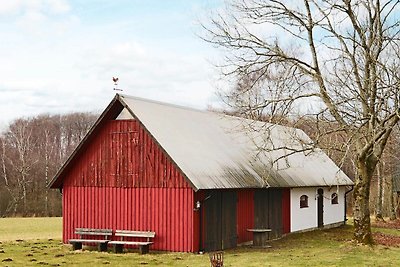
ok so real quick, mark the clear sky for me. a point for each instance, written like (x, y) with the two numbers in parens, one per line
(60, 56)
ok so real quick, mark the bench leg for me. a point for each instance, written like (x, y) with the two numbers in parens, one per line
(76, 245)
(102, 247)
(144, 249)
(118, 248)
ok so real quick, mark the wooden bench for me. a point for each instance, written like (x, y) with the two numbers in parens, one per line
(143, 245)
(102, 243)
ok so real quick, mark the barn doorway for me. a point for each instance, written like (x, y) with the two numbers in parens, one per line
(320, 207)
(220, 230)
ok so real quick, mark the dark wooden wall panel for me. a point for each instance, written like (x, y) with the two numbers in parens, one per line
(229, 222)
(220, 224)
(212, 212)
(268, 211)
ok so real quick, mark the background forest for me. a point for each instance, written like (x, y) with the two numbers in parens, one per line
(31, 152)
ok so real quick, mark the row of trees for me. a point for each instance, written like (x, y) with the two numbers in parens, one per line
(31, 152)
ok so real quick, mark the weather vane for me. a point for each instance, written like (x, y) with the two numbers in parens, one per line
(115, 80)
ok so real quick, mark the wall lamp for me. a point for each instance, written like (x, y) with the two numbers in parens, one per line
(197, 205)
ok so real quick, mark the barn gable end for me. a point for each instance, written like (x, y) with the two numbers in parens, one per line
(122, 154)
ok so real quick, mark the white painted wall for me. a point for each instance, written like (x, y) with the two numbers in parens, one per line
(333, 213)
(306, 218)
(302, 218)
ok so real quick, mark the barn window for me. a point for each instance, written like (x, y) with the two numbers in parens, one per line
(334, 198)
(304, 201)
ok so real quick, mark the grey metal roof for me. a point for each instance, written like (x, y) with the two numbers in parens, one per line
(214, 151)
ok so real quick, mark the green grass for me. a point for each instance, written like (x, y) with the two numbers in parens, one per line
(319, 248)
(30, 228)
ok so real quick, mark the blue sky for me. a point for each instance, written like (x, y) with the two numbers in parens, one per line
(60, 56)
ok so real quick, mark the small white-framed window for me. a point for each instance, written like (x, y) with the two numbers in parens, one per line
(304, 201)
(334, 199)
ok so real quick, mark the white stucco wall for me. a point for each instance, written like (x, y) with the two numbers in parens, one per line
(302, 218)
(334, 213)
(306, 218)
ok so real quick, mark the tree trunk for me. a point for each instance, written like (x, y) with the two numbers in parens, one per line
(46, 176)
(362, 223)
(392, 206)
(397, 204)
(379, 201)
(24, 196)
(392, 216)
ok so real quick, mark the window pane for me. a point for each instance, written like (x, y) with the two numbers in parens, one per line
(334, 198)
(303, 201)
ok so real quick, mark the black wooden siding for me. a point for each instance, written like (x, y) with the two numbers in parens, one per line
(268, 211)
(220, 209)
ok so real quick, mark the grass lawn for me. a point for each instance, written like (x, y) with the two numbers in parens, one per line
(30, 228)
(39, 244)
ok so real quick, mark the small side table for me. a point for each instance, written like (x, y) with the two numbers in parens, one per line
(260, 237)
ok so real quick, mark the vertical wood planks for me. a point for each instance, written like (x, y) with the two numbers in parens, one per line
(245, 214)
(167, 211)
(286, 210)
(123, 154)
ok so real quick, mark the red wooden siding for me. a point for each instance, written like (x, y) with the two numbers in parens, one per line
(286, 210)
(167, 211)
(123, 154)
(245, 215)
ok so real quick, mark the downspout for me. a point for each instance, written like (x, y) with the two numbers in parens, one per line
(345, 203)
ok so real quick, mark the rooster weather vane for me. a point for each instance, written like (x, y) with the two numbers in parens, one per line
(115, 80)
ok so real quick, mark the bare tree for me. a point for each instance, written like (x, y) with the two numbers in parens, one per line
(341, 56)
(5, 171)
(21, 158)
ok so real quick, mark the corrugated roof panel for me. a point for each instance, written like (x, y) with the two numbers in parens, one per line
(214, 151)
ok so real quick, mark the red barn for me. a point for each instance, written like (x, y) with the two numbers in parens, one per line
(192, 177)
